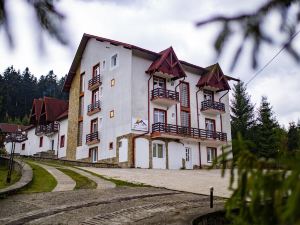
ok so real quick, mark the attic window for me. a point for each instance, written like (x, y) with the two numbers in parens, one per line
(114, 61)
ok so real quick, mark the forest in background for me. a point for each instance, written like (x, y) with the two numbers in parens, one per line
(18, 89)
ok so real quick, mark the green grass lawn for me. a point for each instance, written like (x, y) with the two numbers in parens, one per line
(3, 174)
(42, 180)
(119, 183)
(82, 182)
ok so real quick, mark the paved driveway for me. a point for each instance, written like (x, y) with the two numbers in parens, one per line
(194, 181)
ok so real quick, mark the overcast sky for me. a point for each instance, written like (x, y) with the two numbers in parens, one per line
(154, 25)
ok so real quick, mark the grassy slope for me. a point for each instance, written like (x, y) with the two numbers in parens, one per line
(3, 174)
(82, 182)
(42, 180)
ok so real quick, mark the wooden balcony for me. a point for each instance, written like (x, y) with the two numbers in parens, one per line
(94, 108)
(212, 107)
(52, 128)
(95, 82)
(40, 130)
(164, 97)
(188, 133)
(92, 138)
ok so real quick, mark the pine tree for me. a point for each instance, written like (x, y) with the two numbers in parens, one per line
(293, 137)
(242, 117)
(267, 142)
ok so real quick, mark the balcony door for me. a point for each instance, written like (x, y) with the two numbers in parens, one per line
(159, 82)
(160, 116)
(210, 125)
(94, 125)
(96, 70)
(208, 95)
(95, 96)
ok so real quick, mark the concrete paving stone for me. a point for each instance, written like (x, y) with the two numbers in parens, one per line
(64, 182)
(193, 181)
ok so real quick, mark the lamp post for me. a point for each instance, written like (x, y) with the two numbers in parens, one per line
(16, 137)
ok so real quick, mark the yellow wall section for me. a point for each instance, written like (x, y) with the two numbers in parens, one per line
(73, 116)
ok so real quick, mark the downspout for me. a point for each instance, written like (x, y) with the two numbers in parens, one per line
(58, 138)
(198, 124)
(221, 114)
(140, 135)
(176, 104)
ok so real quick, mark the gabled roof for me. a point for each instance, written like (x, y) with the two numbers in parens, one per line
(167, 63)
(52, 108)
(10, 128)
(36, 111)
(63, 115)
(214, 78)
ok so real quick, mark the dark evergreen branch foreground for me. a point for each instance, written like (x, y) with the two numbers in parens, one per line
(17, 91)
(252, 27)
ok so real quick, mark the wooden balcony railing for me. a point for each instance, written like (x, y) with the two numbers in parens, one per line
(164, 93)
(188, 131)
(40, 129)
(92, 137)
(94, 106)
(95, 81)
(208, 104)
(52, 128)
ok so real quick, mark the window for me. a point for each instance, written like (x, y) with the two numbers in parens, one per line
(111, 113)
(93, 154)
(185, 118)
(100, 121)
(208, 95)
(94, 125)
(111, 145)
(187, 154)
(103, 65)
(82, 83)
(96, 70)
(80, 133)
(81, 106)
(114, 61)
(101, 92)
(41, 142)
(210, 124)
(120, 144)
(159, 82)
(62, 141)
(159, 116)
(184, 95)
(158, 150)
(23, 146)
(95, 96)
(211, 154)
(112, 82)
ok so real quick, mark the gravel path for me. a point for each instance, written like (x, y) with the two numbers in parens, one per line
(64, 182)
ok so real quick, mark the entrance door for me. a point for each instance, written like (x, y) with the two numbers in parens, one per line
(158, 156)
(188, 158)
(94, 154)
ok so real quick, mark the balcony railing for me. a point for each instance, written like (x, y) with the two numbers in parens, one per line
(164, 93)
(40, 129)
(95, 82)
(208, 104)
(188, 131)
(96, 106)
(92, 137)
(52, 128)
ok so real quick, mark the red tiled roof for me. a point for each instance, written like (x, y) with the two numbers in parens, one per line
(214, 78)
(52, 108)
(63, 115)
(167, 63)
(10, 128)
(36, 111)
(85, 38)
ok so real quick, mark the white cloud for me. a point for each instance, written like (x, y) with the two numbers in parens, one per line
(154, 25)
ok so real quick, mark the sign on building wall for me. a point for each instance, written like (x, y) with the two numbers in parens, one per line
(139, 124)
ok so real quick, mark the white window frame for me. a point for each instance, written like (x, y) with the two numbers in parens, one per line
(117, 61)
(210, 155)
(155, 150)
